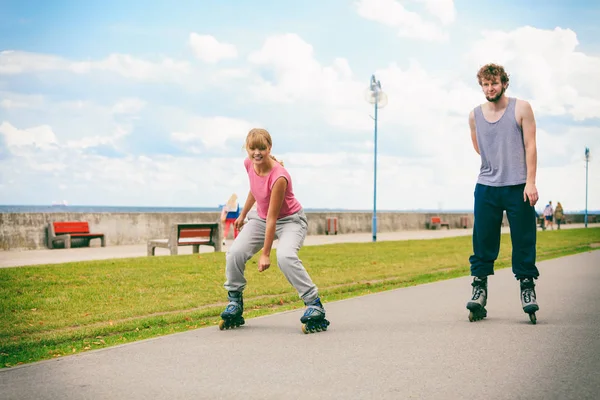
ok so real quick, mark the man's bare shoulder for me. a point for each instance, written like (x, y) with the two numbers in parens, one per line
(472, 112)
(522, 105)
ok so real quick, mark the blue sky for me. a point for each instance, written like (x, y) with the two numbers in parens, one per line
(147, 103)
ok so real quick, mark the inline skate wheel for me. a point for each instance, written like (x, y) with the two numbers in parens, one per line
(313, 327)
(230, 324)
(477, 315)
(532, 318)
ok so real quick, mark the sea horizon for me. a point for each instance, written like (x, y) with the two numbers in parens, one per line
(61, 208)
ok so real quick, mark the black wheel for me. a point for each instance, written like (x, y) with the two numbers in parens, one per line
(532, 318)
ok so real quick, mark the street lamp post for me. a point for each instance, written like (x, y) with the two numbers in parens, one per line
(587, 159)
(378, 98)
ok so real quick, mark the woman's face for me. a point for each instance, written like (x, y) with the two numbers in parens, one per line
(259, 154)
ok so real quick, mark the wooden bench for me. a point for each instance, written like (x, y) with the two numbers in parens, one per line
(436, 222)
(195, 235)
(65, 231)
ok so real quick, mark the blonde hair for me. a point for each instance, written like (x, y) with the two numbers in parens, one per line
(259, 138)
(232, 202)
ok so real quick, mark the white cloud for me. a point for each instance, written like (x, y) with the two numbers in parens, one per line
(14, 101)
(299, 77)
(212, 132)
(131, 67)
(128, 106)
(426, 159)
(208, 49)
(39, 136)
(93, 141)
(89, 178)
(167, 69)
(18, 62)
(442, 9)
(409, 23)
(546, 68)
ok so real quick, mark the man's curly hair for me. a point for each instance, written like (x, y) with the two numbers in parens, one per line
(490, 71)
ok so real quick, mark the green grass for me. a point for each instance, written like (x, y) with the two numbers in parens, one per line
(56, 310)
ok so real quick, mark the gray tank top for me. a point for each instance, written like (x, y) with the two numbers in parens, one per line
(501, 148)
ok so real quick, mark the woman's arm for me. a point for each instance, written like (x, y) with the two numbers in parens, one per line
(275, 203)
(239, 222)
(250, 200)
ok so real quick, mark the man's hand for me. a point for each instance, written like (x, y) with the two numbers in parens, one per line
(530, 193)
(239, 222)
(264, 262)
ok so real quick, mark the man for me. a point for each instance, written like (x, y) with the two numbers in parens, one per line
(503, 134)
(548, 214)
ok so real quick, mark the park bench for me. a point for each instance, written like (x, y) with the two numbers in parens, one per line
(66, 231)
(332, 226)
(436, 222)
(195, 235)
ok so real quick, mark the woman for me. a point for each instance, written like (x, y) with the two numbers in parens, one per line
(558, 214)
(278, 214)
(230, 212)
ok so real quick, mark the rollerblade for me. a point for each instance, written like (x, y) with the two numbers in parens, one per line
(476, 305)
(232, 316)
(528, 300)
(313, 319)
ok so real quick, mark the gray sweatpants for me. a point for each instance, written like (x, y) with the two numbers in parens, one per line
(290, 231)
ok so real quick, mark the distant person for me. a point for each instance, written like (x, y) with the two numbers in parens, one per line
(559, 214)
(278, 215)
(540, 220)
(503, 133)
(229, 213)
(548, 215)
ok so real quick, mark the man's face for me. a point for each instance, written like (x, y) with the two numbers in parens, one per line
(493, 89)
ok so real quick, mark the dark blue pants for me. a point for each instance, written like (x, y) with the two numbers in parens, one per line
(490, 203)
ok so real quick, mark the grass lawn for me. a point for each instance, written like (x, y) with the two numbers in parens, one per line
(55, 310)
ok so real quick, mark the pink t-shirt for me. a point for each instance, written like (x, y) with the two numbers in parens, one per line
(261, 187)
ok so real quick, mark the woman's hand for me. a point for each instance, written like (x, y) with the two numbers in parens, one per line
(239, 222)
(264, 262)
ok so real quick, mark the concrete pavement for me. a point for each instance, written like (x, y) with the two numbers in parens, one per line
(59, 256)
(412, 343)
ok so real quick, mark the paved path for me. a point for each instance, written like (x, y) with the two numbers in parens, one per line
(410, 343)
(58, 256)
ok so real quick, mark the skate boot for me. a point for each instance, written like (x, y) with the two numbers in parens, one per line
(476, 305)
(313, 319)
(528, 300)
(232, 316)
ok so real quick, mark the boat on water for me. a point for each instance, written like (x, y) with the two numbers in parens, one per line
(59, 203)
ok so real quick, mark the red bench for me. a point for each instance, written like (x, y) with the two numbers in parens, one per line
(65, 231)
(332, 226)
(436, 222)
(195, 235)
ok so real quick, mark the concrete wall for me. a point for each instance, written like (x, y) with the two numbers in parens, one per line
(28, 230)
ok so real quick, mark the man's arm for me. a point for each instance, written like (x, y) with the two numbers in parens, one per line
(473, 131)
(529, 132)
